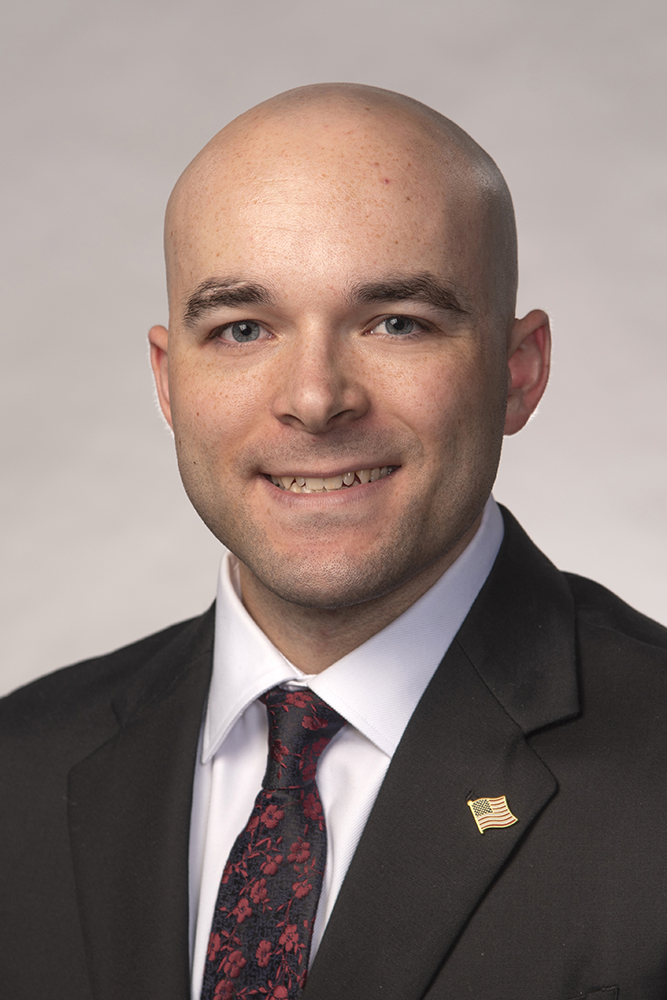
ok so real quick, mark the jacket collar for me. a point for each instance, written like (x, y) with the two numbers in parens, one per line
(129, 816)
(520, 634)
(422, 867)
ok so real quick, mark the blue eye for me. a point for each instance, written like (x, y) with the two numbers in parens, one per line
(399, 325)
(244, 331)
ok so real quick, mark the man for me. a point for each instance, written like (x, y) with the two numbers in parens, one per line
(341, 363)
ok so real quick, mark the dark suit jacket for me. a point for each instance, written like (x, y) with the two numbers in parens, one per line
(554, 693)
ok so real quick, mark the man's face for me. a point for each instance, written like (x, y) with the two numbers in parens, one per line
(329, 319)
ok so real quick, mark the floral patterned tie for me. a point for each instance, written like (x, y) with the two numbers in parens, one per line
(264, 914)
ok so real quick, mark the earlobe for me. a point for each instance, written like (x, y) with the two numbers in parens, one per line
(529, 356)
(158, 338)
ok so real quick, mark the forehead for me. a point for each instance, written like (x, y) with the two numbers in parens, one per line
(336, 193)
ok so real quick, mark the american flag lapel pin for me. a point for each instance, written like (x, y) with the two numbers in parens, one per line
(491, 812)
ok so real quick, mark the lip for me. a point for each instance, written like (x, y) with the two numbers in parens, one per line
(337, 483)
(338, 471)
(352, 494)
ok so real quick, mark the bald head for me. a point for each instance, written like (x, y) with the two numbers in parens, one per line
(329, 145)
(342, 276)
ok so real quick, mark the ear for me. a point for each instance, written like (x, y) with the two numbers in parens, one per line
(528, 360)
(158, 338)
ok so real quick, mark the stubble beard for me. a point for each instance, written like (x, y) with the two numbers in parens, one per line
(341, 578)
(327, 577)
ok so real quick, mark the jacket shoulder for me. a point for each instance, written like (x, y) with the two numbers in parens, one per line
(601, 609)
(76, 690)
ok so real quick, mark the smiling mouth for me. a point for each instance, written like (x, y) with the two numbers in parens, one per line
(330, 484)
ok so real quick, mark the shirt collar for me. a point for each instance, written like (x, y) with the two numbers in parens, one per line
(377, 686)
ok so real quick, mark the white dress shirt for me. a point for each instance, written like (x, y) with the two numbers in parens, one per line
(376, 688)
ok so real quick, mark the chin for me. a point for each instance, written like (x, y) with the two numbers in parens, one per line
(328, 572)
(329, 584)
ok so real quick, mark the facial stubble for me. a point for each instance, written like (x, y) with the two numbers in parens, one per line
(320, 571)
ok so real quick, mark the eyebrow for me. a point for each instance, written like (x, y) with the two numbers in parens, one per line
(423, 287)
(216, 292)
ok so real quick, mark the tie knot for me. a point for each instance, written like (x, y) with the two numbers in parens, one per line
(300, 726)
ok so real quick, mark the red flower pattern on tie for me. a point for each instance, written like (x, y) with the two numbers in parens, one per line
(266, 906)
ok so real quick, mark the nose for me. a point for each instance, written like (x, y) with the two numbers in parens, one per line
(321, 385)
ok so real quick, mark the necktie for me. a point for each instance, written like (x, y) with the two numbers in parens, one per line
(264, 914)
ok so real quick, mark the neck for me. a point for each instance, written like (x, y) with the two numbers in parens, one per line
(314, 638)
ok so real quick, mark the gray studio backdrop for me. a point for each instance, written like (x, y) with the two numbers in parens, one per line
(106, 103)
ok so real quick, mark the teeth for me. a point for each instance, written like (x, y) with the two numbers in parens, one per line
(315, 484)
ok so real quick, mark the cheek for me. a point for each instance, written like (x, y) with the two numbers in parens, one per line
(432, 396)
(460, 415)
(210, 413)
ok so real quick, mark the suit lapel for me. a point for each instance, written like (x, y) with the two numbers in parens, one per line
(129, 814)
(422, 867)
